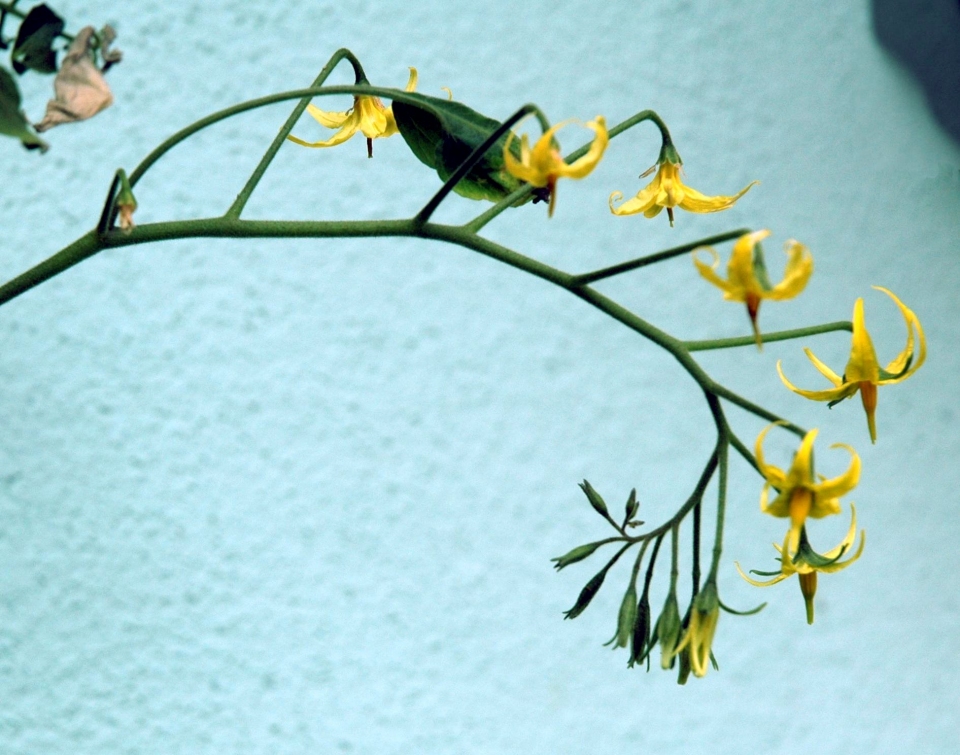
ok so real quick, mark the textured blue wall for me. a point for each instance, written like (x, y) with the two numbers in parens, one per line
(291, 497)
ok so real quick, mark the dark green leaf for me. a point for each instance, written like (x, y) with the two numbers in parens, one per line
(12, 120)
(443, 134)
(34, 46)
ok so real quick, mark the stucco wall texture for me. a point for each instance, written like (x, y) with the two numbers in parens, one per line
(301, 496)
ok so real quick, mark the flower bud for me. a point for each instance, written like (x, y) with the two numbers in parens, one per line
(668, 630)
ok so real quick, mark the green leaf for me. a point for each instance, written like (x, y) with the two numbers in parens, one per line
(443, 134)
(12, 120)
(34, 46)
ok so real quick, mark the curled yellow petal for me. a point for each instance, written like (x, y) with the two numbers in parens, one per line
(913, 323)
(833, 394)
(796, 274)
(845, 482)
(694, 201)
(584, 165)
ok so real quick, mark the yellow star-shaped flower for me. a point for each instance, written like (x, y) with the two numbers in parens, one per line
(543, 165)
(368, 115)
(806, 562)
(863, 373)
(747, 279)
(667, 191)
(799, 494)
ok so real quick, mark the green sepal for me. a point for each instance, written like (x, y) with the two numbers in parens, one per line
(12, 120)
(743, 613)
(577, 554)
(443, 134)
(760, 268)
(34, 46)
(831, 404)
(766, 573)
(807, 555)
(596, 500)
(884, 375)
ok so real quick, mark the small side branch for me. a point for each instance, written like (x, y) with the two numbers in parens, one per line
(244, 196)
(780, 335)
(624, 267)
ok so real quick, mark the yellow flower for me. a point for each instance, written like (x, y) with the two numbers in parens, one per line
(863, 373)
(799, 494)
(806, 562)
(368, 115)
(747, 279)
(666, 190)
(698, 638)
(543, 165)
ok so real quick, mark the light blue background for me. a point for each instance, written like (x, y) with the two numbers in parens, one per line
(300, 496)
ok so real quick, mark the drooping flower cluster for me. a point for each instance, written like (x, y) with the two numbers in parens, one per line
(801, 495)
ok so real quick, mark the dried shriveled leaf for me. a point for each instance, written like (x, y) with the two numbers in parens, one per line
(80, 91)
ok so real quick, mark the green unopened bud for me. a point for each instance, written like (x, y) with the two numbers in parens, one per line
(640, 639)
(587, 594)
(577, 554)
(684, 673)
(595, 500)
(632, 505)
(668, 630)
(625, 619)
